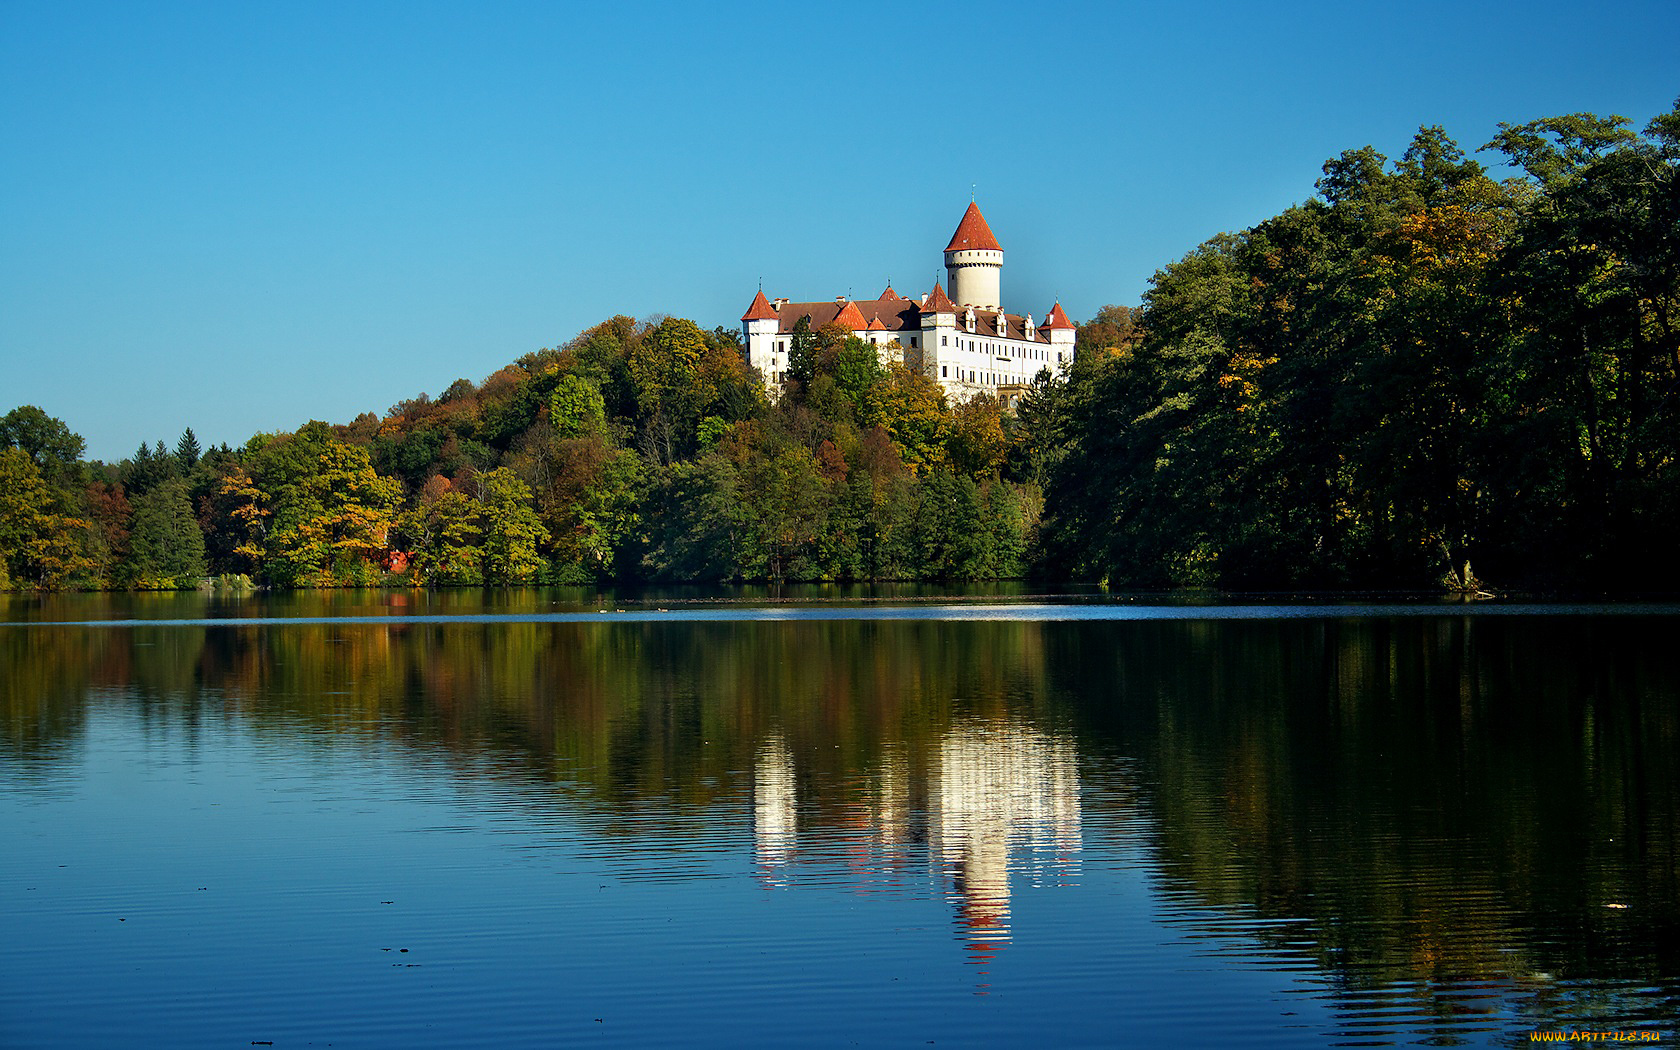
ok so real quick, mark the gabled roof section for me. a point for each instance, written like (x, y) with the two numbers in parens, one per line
(895, 315)
(889, 294)
(875, 324)
(851, 317)
(938, 302)
(760, 310)
(973, 234)
(1057, 318)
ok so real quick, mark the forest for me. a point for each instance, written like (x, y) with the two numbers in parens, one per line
(1422, 377)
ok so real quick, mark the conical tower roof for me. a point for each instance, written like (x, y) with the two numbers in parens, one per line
(938, 302)
(973, 234)
(760, 310)
(1057, 318)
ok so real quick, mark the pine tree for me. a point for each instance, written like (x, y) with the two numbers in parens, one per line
(187, 450)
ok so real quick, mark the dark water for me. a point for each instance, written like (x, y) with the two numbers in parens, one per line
(716, 825)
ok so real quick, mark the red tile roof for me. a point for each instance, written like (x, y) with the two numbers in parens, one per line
(896, 315)
(905, 315)
(851, 317)
(1057, 318)
(938, 302)
(973, 234)
(760, 309)
(889, 294)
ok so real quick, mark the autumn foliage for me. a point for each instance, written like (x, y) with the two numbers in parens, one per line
(1420, 377)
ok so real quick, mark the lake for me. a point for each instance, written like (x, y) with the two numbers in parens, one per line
(366, 819)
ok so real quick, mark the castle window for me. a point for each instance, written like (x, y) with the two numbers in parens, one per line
(912, 342)
(944, 340)
(781, 344)
(944, 371)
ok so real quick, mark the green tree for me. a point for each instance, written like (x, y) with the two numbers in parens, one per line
(802, 355)
(149, 467)
(911, 408)
(239, 512)
(1593, 338)
(50, 445)
(975, 441)
(1037, 434)
(510, 527)
(331, 512)
(187, 450)
(952, 534)
(577, 408)
(41, 545)
(783, 514)
(442, 533)
(682, 375)
(167, 548)
(696, 521)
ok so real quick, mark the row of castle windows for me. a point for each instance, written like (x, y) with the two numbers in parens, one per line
(1033, 352)
(781, 344)
(989, 378)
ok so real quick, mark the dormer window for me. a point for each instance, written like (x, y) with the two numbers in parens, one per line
(1027, 325)
(968, 320)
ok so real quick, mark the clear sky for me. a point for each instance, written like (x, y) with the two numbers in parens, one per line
(240, 217)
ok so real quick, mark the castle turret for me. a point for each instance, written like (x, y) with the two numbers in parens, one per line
(1061, 333)
(974, 262)
(759, 325)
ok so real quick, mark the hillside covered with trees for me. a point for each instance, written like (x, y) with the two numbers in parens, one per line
(1419, 370)
(638, 451)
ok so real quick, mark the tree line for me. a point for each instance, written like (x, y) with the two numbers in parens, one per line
(639, 451)
(1422, 375)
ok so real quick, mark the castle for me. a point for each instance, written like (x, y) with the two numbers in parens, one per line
(965, 341)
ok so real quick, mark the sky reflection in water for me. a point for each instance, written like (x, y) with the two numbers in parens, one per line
(1306, 830)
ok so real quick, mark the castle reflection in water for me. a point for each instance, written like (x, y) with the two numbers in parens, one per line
(995, 801)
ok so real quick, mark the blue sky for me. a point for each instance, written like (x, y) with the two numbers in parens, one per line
(239, 217)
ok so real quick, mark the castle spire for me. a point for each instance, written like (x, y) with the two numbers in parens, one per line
(760, 310)
(973, 234)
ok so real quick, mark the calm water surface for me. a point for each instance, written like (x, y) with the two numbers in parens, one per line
(393, 820)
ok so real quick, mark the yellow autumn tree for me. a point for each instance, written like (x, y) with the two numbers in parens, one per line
(911, 408)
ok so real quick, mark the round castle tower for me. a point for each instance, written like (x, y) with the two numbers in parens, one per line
(974, 263)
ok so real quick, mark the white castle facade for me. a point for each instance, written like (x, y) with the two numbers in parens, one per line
(965, 341)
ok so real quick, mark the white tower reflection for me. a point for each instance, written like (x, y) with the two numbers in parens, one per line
(1000, 801)
(775, 810)
(892, 808)
(1000, 787)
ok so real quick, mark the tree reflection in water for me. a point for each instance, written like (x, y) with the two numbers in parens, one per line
(1435, 815)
